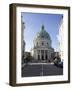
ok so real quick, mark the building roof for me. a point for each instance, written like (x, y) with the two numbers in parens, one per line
(43, 34)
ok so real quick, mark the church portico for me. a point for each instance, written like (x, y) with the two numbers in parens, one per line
(42, 46)
(43, 55)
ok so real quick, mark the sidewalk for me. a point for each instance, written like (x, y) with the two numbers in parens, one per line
(36, 64)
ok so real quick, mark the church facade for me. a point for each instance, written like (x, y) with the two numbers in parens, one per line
(42, 45)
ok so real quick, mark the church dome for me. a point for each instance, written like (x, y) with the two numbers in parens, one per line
(43, 34)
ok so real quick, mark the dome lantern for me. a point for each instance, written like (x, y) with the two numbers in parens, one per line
(42, 28)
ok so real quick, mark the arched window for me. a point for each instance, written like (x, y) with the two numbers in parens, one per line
(47, 43)
(37, 43)
(42, 43)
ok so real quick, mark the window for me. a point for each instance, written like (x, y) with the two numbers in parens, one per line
(42, 43)
(47, 43)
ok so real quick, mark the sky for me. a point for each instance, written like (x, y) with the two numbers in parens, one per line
(33, 23)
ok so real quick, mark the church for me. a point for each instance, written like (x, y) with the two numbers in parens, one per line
(42, 46)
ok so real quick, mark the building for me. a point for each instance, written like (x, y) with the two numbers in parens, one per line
(42, 48)
(22, 38)
(55, 55)
(61, 39)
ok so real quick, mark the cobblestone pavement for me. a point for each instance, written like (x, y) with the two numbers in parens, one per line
(30, 70)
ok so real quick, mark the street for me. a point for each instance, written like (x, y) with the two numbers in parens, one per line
(31, 70)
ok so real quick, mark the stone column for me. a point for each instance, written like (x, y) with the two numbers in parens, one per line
(44, 54)
(37, 56)
(48, 54)
(40, 54)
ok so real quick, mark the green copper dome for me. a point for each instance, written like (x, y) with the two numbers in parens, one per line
(43, 34)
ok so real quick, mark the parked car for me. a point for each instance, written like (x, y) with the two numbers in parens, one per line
(60, 64)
